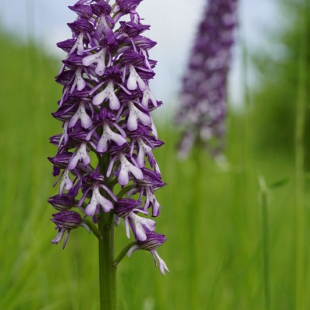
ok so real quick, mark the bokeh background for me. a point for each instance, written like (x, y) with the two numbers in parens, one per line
(228, 247)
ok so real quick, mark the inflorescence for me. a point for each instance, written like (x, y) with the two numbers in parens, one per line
(203, 95)
(105, 160)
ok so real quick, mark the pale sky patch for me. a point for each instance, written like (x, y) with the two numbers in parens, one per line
(173, 27)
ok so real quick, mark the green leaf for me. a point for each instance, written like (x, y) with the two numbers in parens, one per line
(279, 183)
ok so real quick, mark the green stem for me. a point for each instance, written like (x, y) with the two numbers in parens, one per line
(266, 249)
(107, 270)
(246, 155)
(194, 215)
(124, 191)
(93, 228)
(123, 252)
(299, 164)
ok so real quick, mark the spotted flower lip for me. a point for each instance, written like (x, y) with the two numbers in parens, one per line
(203, 94)
(105, 148)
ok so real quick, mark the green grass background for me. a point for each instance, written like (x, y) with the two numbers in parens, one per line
(211, 215)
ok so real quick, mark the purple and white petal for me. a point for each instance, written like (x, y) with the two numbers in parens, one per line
(81, 115)
(58, 237)
(66, 182)
(97, 58)
(143, 150)
(134, 80)
(80, 155)
(126, 168)
(103, 28)
(134, 115)
(98, 200)
(64, 137)
(108, 135)
(78, 82)
(140, 224)
(162, 264)
(79, 45)
(156, 207)
(148, 96)
(108, 93)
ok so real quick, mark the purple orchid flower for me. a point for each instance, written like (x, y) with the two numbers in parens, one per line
(66, 221)
(152, 242)
(105, 110)
(203, 95)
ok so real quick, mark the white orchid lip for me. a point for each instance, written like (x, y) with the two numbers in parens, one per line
(136, 115)
(81, 115)
(79, 83)
(148, 96)
(144, 150)
(66, 182)
(109, 135)
(80, 155)
(108, 93)
(125, 168)
(98, 59)
(98, 199)
(134, 80)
